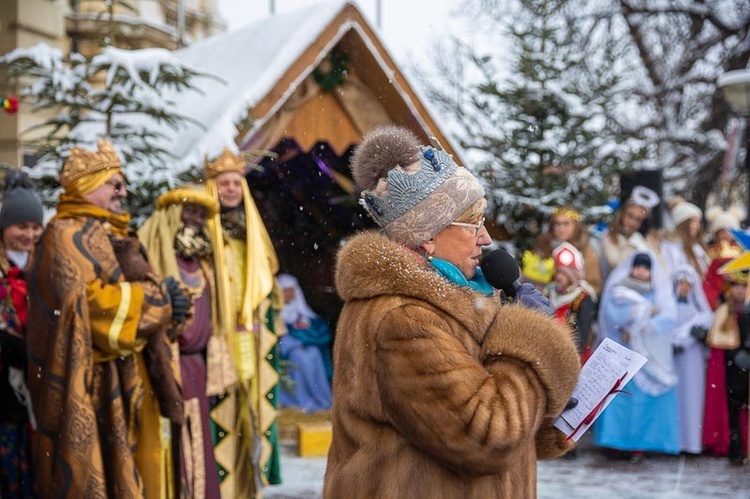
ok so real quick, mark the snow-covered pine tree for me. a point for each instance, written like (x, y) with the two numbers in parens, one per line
(537, 128)
(115, 94)
(668, 105)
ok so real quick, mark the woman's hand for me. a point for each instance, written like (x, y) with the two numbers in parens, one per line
(530, 297)
(624, 336)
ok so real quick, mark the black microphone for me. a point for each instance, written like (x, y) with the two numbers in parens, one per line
(501, 271)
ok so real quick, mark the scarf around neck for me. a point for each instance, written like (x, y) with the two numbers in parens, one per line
(74, 207)
(637, 285)
(453, 274)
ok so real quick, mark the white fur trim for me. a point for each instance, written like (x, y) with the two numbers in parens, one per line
(719, 219)
(685, 211)
(643, 196)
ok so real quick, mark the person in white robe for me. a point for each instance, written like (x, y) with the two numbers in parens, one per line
(694, 317)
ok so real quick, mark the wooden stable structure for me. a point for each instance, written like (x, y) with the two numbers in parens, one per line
(307, 85)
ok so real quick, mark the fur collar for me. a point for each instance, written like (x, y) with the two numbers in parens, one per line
(371, 265)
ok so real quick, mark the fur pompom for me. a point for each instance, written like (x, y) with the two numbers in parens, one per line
(16, 178)
(738, 212)
(714, 212)
(381, 150)
(718, 219)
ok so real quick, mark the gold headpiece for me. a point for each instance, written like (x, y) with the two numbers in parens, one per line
(81, 162)
(227, 162)
(566, 212)
(189, 195)
(724, 249)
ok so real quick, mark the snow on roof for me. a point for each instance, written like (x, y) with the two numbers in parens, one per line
(249, 61)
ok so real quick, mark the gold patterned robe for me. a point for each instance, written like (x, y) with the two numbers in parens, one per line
(86, 329)
(246, 431)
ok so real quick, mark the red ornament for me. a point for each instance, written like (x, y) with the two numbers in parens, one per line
(10, 105)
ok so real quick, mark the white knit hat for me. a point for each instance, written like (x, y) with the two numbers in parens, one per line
(681, 210)
(720, 219)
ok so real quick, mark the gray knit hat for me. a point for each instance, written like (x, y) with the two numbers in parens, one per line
(411, 203)
(19, 203)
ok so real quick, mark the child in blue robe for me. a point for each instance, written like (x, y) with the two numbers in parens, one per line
(638, 311)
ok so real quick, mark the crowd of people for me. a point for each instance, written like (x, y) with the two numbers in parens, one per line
(150, 363)
(137, 365)
(663, 296)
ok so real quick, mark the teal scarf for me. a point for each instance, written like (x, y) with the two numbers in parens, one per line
(454, 275)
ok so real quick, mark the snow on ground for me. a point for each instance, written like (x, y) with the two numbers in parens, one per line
(303, 477)
(590, 476)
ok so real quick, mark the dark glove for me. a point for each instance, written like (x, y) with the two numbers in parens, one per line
(571, 404)
(699, 333)
(180, 302)
(530, 297)
(742, 360)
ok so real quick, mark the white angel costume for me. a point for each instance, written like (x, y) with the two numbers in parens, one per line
(641, 315)
(690, 358)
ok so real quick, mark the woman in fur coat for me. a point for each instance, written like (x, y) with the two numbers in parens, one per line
(440, 390)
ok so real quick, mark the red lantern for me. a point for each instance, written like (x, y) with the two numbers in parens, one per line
(10, 105)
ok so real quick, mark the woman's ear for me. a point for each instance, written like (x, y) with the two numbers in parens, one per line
(429, 247)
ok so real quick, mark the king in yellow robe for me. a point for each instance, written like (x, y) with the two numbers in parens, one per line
(247, 444)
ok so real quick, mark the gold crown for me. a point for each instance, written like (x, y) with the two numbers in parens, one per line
(227, 162)
(566, 212)
(81, 162)
(724, 249)
(189, 195)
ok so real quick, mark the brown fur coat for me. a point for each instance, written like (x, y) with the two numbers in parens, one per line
(439, 391)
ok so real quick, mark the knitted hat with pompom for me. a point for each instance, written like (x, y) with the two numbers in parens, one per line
(411, 191)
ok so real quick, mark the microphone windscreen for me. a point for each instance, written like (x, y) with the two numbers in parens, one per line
(501, 270)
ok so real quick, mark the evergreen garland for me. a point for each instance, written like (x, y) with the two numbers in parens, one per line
(332, 72)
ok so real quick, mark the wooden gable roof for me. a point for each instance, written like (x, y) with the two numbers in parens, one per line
(382, 91)
(262, 89)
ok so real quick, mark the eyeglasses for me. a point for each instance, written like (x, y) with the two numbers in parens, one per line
(477, 226)
(118, 186)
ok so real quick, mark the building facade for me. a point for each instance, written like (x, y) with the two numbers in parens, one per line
(80, 26)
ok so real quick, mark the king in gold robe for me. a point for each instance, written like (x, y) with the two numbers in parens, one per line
(98, 423)
(247, 446)
(179, 246)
